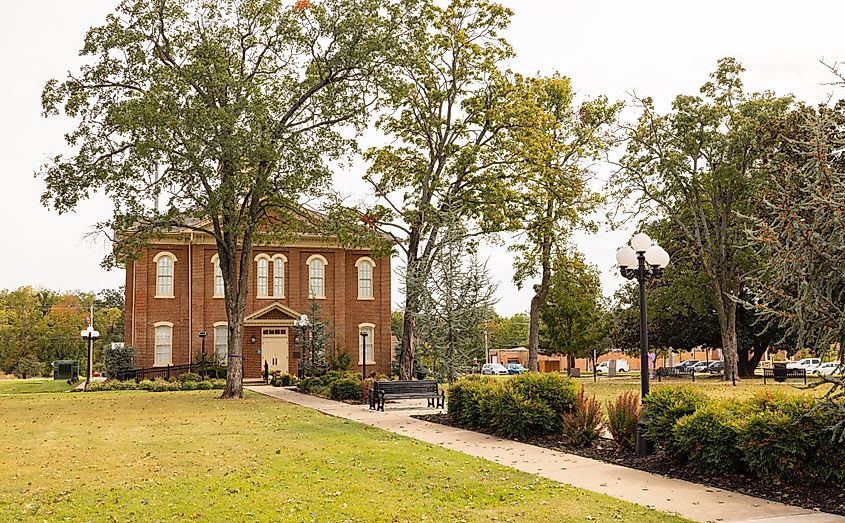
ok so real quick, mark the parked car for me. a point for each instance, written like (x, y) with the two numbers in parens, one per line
(494, 369)
(621, 366)
(686, 366)
(829, 368)
(808, 364)
(516, 368)
(716, 367)
(701, 366)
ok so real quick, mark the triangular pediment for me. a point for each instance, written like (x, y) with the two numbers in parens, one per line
(274, 313)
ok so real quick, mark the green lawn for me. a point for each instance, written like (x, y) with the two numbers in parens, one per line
(143, 456)
(14, 386)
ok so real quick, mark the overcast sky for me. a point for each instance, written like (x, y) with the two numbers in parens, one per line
(659, 49)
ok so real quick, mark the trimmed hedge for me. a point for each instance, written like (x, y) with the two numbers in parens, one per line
(773, 436)
(522, 406)
(158, 385)
(345, 389)
(664, 406)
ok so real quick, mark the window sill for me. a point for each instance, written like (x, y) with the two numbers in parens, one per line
(270, 297)
(218, 296)
(162, 365)
(366, 298)
(316, 297)
(368, 363)
(164, 297)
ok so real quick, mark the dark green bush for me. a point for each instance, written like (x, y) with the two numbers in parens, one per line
(622, 416)
(345, 389)
(204, 385)
(330, 376)
(118, 359)
(555, 390)
(145, 385)
(506, 412)
(123, 385)
(276, 382)
(584, 425)
(218, 383)
(189, 376)
(285, 380)
(828, 461)
(189, 385)
(309, 385)
(664, 406)
(708, 438)
(465, 397)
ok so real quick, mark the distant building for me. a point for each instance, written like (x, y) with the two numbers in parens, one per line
(175, 290)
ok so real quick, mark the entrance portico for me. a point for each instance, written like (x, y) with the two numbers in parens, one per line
(271, 328)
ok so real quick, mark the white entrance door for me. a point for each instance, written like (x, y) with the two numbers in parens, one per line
(274, 349)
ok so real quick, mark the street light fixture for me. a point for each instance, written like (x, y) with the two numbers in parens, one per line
(89, 335)
(642, 260)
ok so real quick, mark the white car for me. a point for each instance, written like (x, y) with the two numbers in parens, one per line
(494, 368)
(808, 364)
(829, 368)
(604, 367)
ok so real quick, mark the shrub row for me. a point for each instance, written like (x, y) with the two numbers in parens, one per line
(525, 405)
(282, 380)
(157, 385)
(774, 436)
(337, 385)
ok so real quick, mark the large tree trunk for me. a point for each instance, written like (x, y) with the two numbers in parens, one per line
(412, 305)
(749, 359)
(236, 283)
(726, 311)
(541, 291)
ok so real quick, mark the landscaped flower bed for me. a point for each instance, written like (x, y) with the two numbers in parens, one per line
(775, 446)
(187, 381)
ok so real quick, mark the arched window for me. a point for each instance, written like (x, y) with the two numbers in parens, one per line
(218, 277)
(221, 342)
(365, 278)
(164, 344)
(279, 261)
(263, 275)
(164, 274)
(370, 330)
(317, 276)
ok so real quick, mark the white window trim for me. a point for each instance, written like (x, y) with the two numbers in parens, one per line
(360, 261)
(308, 265)
(371, 339)
(214, 341)
(258, 294)
(156, 325)
(215, 261)
(173, 260)
(284, 280)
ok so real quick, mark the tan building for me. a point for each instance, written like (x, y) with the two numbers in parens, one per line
(175, 290)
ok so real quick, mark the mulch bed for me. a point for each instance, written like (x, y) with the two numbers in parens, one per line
(825, 498)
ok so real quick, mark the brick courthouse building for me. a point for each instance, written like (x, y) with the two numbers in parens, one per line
(174, 290)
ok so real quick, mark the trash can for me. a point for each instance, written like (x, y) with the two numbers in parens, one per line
(66, 370)
(779, 372)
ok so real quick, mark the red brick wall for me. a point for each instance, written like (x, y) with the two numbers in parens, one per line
(341, 307)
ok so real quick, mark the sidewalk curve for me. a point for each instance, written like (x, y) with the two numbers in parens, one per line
(690, 500)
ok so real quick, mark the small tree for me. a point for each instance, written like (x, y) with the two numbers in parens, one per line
(118, 358)
(312, 340)
(29, 366)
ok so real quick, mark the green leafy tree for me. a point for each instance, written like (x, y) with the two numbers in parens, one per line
(551, 145)
(29, 367)
(227, 113)
(572, 314)
(508, 332)
(439, 117)
(800, 230)
(700, 166)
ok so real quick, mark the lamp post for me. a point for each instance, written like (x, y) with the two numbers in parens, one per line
(642, 260)
(202, 335)
(302, 324)
(89, 335)
(364, 351)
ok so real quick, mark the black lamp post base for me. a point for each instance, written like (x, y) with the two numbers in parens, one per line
(644, 446)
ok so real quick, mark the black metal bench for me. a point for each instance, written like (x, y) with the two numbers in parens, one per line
(784, 374)
(672, 372)
(406, 390)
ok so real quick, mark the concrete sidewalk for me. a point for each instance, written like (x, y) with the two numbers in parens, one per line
(691, 500)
